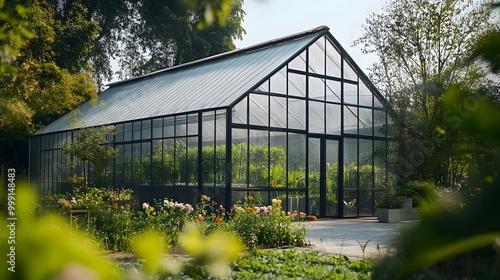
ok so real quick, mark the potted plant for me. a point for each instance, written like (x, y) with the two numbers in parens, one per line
(389, 207)
(413, 189)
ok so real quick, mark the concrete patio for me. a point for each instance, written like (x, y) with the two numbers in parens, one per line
(343, 236)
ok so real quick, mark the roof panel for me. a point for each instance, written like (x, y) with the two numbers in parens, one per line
(197, 86)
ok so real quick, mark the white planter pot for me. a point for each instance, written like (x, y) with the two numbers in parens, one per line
(388, 215)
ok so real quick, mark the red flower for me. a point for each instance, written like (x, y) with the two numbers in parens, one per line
(200, 217)
(218, 219)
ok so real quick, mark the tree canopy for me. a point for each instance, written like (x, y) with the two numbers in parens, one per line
(424, 46)
(56, 54)
(148, 35)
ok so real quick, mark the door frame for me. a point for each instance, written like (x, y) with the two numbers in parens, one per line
(322, 186)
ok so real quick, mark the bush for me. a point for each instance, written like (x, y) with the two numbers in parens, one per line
(415, 188)
(116, 226)
(266, 226)
(389, 199)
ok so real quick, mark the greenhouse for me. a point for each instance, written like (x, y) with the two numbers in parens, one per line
(294, 118)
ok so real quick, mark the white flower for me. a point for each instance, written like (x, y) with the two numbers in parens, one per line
(145, 205)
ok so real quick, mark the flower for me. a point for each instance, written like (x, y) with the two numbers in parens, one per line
(204, 197)
(249, 209)
(302, 215)
(189, 208)
(218, 219)
(200, 217)
(312, 218)
(145, 205)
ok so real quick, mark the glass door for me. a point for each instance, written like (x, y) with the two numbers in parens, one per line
(331, 186)
(323, 177)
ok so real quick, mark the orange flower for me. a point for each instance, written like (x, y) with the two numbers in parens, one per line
(249, 209)
(218, 219)
(200, 217)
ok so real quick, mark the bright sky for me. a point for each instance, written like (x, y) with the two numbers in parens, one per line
(270, 19)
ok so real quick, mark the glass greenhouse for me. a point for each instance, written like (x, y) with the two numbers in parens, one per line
(294, 118)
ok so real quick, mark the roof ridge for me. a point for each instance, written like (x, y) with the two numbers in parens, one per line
(322, 28)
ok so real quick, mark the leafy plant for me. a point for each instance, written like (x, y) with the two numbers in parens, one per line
(389, 199)
(266, 226)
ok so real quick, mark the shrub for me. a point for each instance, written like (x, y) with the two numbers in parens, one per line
(266, 226)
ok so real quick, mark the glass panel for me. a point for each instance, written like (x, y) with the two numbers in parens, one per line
(316, 117)
(168, 127)
(157, 159)
(180, 125)
(298, 63)
(314, 175)
(168, 161)
(350, 119)
(365, 203)
(296, 113)
(259, 109)
(277, 159)
(264, 87)
(333, 120)
(192, 124)
(317, 57)
(220, 127)
(239, 158)
(365, 121)
(296, 161)
(278, 112)
(380, 164)
(220, 167)
(146, 163)
(136, 163)
(333, 61)
(365, 164)
(365, 95)
(350, 163)
(377, 103)
(260, 198)
(240, 112)
(296, 202)
(157, 128)
(238, 197)
(278, 82)
(127, 130)
(146, 129)
(180, 161)
(379, 122)
(332, 177)
(258, 159)
(137, 130)
(208, 149)
(208, 127)
(350, 203)
(350, 93)
(316, 88)
(192, 161)
(349, 72)
(127, 164)
(333, 91)
(296, 85)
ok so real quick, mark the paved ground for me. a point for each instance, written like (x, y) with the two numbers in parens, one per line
(341, 236)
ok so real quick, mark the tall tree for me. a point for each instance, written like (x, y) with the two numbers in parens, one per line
(148, 35)
(51, 77)
(423, 46)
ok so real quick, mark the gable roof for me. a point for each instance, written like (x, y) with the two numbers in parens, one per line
(210, 83)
